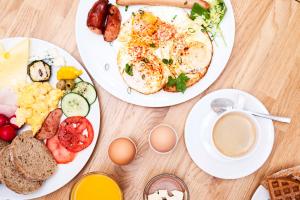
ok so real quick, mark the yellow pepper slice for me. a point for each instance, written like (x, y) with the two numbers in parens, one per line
(68, 73)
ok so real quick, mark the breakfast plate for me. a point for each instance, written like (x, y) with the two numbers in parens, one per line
(44, 54)
(100, 57)
(198, 137)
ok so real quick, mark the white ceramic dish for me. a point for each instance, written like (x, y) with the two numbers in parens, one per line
(261, 194)
(198, 141)
(65, 173)
(96, 53)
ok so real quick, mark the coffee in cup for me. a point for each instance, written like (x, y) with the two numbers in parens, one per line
(234, 134)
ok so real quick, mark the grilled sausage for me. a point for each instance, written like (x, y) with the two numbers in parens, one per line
(175, 3)
(50, 125)
(97, 16)
(113, 24)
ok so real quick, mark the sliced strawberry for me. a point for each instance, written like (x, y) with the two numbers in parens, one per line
(59, 152)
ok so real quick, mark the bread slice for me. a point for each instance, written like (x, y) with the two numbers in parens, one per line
(32, 158)
(293, 172)
(3, 144)
(12, 178)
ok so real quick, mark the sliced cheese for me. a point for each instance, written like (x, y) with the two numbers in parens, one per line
(13, 65)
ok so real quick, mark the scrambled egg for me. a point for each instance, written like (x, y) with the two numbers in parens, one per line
(35, 102)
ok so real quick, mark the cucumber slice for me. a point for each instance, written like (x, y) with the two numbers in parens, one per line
(87, 90)
(73, 104)
(78, 79)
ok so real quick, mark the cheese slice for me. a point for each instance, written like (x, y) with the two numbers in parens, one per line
(13, 64)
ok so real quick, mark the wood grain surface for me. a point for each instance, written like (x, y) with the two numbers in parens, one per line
(265, 62)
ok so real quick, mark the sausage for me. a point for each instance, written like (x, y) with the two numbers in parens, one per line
(113, 24)
(175, 3)
(97, 16)
(50, 125)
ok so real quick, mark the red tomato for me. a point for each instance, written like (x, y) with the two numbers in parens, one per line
(76, 133)
(3, 120)
(59, 152)
(7, 133)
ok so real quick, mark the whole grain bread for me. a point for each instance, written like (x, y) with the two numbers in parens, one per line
(32, 158)
(3, 144)
(11, 177)
(293, 173)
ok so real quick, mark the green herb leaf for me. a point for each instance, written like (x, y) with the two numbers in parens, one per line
(152, 45)
(179, 82)
(165, 61)
(128, 69)
(198, 10)
(126, 8)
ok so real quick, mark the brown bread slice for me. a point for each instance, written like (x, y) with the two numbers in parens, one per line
(32, 158)
(12, 178)
(3, 144)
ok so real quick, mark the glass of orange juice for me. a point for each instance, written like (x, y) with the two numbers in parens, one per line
(95, 186)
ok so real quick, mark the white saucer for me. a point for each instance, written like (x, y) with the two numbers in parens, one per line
(261, 194)
(197, 137)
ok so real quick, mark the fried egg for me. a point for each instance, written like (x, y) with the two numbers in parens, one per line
(146, 37)
(142, 70)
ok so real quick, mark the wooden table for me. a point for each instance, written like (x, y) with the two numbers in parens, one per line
(265, 62)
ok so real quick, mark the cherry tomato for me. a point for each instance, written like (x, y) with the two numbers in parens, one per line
(76, 133)
(3, 120)
(59, 152)
(7, 132)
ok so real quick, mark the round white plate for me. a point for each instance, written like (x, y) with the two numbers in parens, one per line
(65, 173)
(96, 53)
(261, 194)
(198, 137)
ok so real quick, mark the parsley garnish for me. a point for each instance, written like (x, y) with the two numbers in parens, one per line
(179, 82)
(152, 45)
(128, 69)
(167, 61)
(126, 8)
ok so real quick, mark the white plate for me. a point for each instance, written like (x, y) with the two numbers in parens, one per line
(64, 173)
(261, 194)
(95, 53)
(198, 137)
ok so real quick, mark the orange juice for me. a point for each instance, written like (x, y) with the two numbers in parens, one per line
(96, 187)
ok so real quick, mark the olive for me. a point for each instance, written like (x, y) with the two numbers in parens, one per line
(61, 85)
(70, 84)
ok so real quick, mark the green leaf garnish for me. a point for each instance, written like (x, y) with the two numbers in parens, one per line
(179, 82)
(152, 45)
(126, 8)
(198, 10)
(167, 61)
(128, 69)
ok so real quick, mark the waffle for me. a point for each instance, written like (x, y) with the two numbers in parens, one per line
(284, 189)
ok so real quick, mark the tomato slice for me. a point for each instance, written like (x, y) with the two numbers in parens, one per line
(59, 152)
(76, 133)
